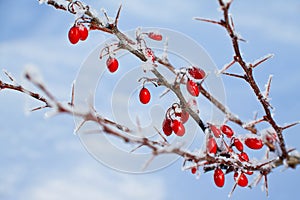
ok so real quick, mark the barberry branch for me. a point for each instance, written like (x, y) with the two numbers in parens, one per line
(228, 24)
(213, 156)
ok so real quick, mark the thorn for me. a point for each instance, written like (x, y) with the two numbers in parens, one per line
(231, 21)
(227, 66)
(232, 190)
(268, 86)
(208, 20)
(266, 185)
(80, 125)
(148, 162)
(261, 60)
(8, 75)
(118, 15)
(253, 123)
(136, 148)
(38, 108)
(161, 135)
(242, 39)
(72, 95)
(234, 75)
(164, 93)
(290, 125)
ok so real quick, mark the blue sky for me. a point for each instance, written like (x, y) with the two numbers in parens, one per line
(41, 158)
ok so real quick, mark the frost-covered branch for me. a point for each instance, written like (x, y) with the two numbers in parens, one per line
(223, 149)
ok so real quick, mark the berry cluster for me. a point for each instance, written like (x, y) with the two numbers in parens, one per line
(216, 145)
(174, 120)
(78, 32)
(194, 74)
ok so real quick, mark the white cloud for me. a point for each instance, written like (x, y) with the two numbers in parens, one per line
(274, 29)
(89, 183)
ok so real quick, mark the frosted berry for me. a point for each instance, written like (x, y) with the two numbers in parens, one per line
(194, 170)
(83, 32)
(243, 157)
(167, 129)
(112, 64)
(219, 177)
(184, 116)
(215, 130)
(178, 128)
(145, 96)
(211, 145)
(227, 130)
(155, 36)
(196, 73)
(192, 88)
(74, 34)
(254, 143)
(242, 181)
(238, 144)
(249, 172)
(150, 54)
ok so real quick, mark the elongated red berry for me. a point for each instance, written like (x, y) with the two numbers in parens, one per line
(74, 34)
(196, 73)
(219, 177)
(192, 88)
(242, 181)
(83, 32)
(167, 129)
(144, 95)
(211, 145)
(194, 170)
(215, 130)
(155, 36)
(178, 128)
(254, 143)
(249, 172)
(227, 130)
(112, 64)
(238, 144)
(243, 157)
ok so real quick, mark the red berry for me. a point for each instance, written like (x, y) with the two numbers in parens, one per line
(227, 130)
(83, 32)
(167, 129)
(254, 143)
(74, 34)
(112, 64)
(150, 54)
(215, 130)
(194, 170)
(211, 145)
(243, 157)
(192, 88)
(145, 96)
(178, 128)
(184, 116)
(197, 73)
(238, 144)
(219, 177)
(242, 181)
(249, 172)
(155, 36)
